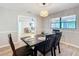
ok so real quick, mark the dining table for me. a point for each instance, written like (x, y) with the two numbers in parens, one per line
(32, 41)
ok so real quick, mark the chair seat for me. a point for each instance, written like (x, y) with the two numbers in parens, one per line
(41, 49)
(24, 51)
(43, 46)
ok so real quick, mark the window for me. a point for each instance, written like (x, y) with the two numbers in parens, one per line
(68, 22)
(26, 24)
(55, 23)
(32, 25)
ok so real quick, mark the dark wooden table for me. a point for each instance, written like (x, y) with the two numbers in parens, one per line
(32, 41)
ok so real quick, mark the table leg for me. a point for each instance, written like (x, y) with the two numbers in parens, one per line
(35, 51)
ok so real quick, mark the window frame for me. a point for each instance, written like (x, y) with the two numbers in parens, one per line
(60, 22)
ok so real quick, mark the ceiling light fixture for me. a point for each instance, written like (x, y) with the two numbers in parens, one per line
(44, 13)
(44, 3)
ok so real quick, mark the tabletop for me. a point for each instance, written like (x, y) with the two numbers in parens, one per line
(32, 41)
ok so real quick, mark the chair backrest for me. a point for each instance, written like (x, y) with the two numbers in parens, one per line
(56, 30)
(50, 41)
(48, 36)
(11, 44)
(47, 44)
(58, 37)
(59, 34)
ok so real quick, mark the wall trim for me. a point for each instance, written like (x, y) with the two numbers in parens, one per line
(73, 45)
(7, 32)
(8, 45)
(70, 44)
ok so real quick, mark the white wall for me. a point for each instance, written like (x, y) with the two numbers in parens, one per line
(9, 24)
(69, 35)
(39, 25)
(8, 20)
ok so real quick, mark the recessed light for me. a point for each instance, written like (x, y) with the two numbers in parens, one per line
(44, 3)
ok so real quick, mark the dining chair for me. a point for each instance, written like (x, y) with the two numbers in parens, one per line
(47, 36)
(22, 51)
(45, 46)
(56, 30)
(57, 42)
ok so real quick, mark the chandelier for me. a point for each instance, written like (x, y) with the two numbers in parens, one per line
(44, 13)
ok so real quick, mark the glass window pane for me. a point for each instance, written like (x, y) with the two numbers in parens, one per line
(55, 23)
(68, 18)
(32, 25)
(68, 22)
(68, 25)
(71, 25)
(55, 20)
(63, 25)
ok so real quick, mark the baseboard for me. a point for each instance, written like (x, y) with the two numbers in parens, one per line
(8, 32)
(4, 36)
(73, 45)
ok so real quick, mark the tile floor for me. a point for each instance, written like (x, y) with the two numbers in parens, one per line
(65, 51)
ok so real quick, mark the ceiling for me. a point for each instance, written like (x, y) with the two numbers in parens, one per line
(35, 8)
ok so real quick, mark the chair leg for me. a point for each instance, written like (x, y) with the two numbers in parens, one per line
(32, 54)
(35, 52)
(14, 54)
(59, 48)
(54, 51)
(44, 54)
